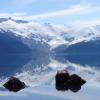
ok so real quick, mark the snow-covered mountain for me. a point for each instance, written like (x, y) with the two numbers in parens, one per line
(45, 37)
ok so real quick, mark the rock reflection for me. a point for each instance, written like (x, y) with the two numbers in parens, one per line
(65, 82)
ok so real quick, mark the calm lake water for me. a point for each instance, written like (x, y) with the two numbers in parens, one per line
(12, 63)
(41, 70)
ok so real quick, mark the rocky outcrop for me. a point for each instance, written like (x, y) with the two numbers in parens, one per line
(65, 82)
(14, 84)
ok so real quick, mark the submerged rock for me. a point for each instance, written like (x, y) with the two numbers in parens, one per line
(14, 84)
(65, 82)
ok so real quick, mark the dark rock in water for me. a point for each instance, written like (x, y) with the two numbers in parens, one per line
(14, 84)
(75, 82)
(64, 82)
(61, 80)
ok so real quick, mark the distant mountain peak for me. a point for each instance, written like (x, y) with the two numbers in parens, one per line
(52, 34)
(14, 20)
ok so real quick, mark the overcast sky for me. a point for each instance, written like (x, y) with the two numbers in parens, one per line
(53, 11)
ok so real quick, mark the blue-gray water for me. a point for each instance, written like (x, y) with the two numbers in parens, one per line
(12, 63)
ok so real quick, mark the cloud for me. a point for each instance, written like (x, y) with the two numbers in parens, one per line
(65, 12)
(18, 15)
(70, 11)
(78, 10)
(86, 22)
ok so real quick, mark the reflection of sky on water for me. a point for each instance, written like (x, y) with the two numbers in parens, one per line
(39, 74)
(89, 91)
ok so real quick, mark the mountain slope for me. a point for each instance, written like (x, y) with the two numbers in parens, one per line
(46, 37)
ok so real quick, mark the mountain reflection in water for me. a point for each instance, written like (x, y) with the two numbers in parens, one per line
(40, 67)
